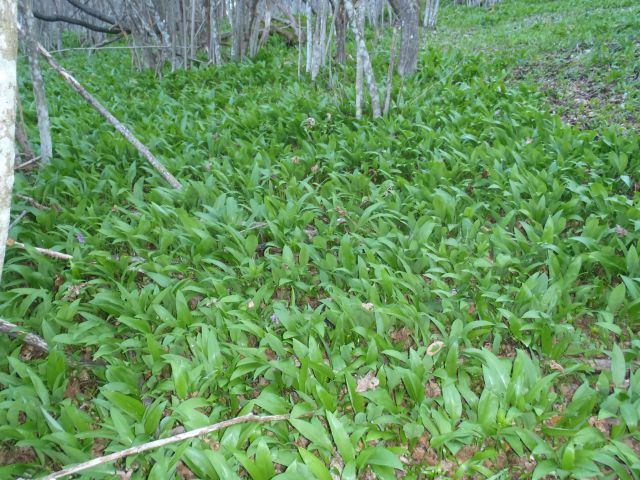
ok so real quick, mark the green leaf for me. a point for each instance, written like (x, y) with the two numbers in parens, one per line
(618, 367)
(340, 438)
(313, 431)
(318, 468)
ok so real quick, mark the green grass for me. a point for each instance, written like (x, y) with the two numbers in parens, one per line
(300, 263)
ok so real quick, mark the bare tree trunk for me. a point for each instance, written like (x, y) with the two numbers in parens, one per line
(309, 14)
(254, 27)
(392, 59)
(341, 32)
(21, 132)
(299, 38)
(215, 55)
(407, 11)
(267, 24)
(8, 93)
(44, 126)
(193, 29)
(237, 46)
(185, 42)
(363, 54)
(359, 87)
(124, 131)
(319, 41)
(430, 14)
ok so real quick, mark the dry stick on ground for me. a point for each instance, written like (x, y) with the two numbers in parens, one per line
(32, 201)
(163, 442)
(28, 163)
(28, 338)
(17, 219)
(44, 251)
(126, 133)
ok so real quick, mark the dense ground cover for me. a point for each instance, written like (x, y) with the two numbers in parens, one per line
(312, 263)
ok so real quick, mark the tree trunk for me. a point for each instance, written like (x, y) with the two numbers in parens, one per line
(267, 24)
(319, 51)
(341, 33)
(8, 92)
(237, 45)
(254, 27)
(193, 39)
(363, 55)
(392, 59)
(22, 138)
(309, 14)
(214, 39)
(44, 126)
(430, 14)
(407, 11)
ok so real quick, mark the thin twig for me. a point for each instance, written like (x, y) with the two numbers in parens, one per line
(29, 338)
(28, 163)
(17, 219)
(106, 42)
(163, 442)
(44, 251)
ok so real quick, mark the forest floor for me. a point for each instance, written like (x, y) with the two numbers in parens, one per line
(451, 292)
(583, 55)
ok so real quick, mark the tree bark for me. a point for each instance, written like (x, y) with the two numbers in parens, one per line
(430, 14)
(364, 58)
(8, 93)
(124, 131)
(42, 110)
(341, 32)
(214, 39)
(237, 46)
(320, 36)
(254, 27)
(14, 330)
(392, 59)
(267, 24)
(407, 11)
(309, 15)
(76, 21)
(92, 12)
(21, 132)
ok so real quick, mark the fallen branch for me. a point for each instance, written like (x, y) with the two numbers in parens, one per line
(32, 201)
(44, 251)
(163, 442)
(17, 219)
(29, 338)
(26, 165)
(126, 133)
